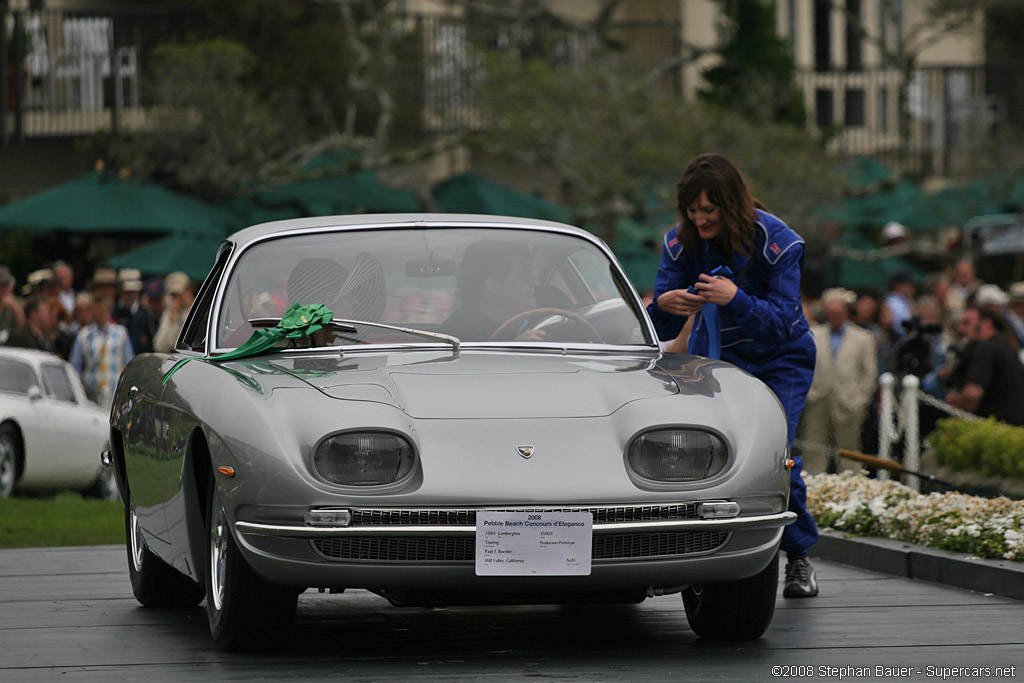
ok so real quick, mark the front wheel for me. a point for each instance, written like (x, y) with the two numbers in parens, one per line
(104, 487)
(733, 610)
(10, 457)
(246, 612)
(154, 582)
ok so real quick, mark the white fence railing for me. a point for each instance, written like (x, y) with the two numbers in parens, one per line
(901, 419)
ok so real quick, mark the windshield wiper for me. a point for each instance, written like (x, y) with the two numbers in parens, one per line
(350, 326)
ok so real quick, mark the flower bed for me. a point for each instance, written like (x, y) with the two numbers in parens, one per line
(992, 528)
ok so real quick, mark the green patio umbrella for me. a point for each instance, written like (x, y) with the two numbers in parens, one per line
(473, 193)
(863, 173)
(641, 266)
(907, 204)
(192, 254)
(854, 274)
(251, 213)
(863, 273)
(359, 192)
(101, 203)
(960, 203)
(638, 248)
(876, 209)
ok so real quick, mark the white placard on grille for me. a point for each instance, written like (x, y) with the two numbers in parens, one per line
(533, 543)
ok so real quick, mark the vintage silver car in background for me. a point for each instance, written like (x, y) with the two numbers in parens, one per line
(488, 419)
(51, 434)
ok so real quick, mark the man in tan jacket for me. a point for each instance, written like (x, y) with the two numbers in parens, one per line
(845, 377)
(180, 294)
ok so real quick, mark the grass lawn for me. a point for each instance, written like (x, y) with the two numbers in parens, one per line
(61, 519)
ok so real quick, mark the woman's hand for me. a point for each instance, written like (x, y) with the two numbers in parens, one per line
(717, 290)
(680, 302)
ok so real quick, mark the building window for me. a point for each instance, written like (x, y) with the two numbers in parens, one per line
(883, 109)
(890, 29)
(854, 108)
(791, 22)
(822, 35)
(854, 61)
(824, 115)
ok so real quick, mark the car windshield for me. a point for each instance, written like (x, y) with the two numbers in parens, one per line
(478, 285)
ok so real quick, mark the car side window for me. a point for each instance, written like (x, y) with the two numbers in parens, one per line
(595, 274)
(16, 378)
(194, 335)
(56, 383)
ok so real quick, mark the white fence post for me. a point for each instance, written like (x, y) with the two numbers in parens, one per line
(885, 417)
(911, 443)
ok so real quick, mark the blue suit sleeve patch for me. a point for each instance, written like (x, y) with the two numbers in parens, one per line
(778, 238)
(673, 247)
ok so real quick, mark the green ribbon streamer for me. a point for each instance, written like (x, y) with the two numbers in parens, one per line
(298, 321)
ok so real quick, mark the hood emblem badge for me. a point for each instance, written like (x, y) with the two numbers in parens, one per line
(525, 451)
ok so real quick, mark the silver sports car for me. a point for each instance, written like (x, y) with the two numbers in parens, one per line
(444, 410)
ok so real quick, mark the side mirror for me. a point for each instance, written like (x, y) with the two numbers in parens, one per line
(35, 393)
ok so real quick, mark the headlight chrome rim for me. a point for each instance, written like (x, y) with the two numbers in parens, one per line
(705, 457)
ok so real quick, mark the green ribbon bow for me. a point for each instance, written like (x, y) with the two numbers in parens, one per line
(298, 321)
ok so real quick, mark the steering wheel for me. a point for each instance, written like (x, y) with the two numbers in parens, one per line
(519, 317)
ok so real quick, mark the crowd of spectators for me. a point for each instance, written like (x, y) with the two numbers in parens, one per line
(961, 337)
(98, 328)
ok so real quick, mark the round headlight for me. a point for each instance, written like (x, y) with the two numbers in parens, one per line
(364, 458)
(677, 455)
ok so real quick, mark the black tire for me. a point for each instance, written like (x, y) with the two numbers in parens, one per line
(733, 610)
(154, 582)
(10, 459)
(105, 486)
(246, 612)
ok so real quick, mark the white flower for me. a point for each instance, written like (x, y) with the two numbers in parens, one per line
(899, 512)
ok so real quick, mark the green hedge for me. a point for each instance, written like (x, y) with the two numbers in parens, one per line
(990, 447)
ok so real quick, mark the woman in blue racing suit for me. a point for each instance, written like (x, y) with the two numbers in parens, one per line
(736, 267)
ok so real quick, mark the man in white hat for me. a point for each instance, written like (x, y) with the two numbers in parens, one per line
(894, 233)
(128, 310)
(845, 376)
(65, 276)
(963, 283)
(993, 298)
(179, 289)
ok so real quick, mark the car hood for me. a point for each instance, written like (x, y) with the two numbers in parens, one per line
(484, 384)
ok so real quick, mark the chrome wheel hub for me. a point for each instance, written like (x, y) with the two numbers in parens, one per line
(218, 556)
(138, 547)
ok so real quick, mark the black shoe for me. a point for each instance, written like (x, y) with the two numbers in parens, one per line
(800, 581)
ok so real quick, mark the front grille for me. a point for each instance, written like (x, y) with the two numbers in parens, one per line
(397, 549)
(634, 546)
(605, 547)
(467, 517)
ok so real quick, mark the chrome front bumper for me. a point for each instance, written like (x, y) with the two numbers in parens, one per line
(433, 549)
(751, 523)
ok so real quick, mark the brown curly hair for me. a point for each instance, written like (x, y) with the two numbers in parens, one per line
(727, 189)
